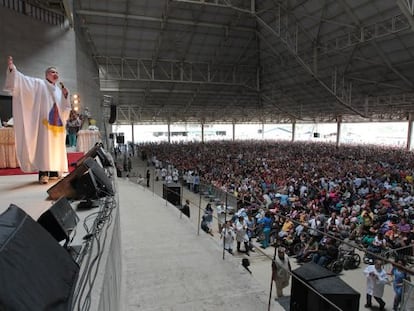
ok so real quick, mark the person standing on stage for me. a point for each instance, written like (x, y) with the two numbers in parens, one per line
(40, 110)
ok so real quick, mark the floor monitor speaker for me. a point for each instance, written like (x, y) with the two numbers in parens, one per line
(97, 151)
(59, 220)
(36, 272)
(87, 181)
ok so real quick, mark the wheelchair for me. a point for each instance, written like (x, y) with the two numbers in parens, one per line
(350, 259)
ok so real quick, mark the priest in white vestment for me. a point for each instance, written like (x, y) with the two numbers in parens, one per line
(40, 111)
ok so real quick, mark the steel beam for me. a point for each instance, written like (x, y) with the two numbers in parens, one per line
(159, 20)
(342, 93)
(217, 3)
(174, 71)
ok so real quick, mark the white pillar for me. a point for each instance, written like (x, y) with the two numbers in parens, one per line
(234, 130)
(410, 130)
(263, 130)
(293, 130)
(202, 131)
(169, 132)
(133, 136)
(338, 130)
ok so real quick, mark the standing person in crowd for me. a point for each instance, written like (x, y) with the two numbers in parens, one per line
(266, 221)
(186, 208)
(40, 110)
(85, 118)
(148, 177)
(221, 216)
(281, 271)
(376, 280)
(399, 276)
(228, 236)
(241, 235)
(207, 220)
(73, 126)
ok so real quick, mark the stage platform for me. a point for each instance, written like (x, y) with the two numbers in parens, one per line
(165, 266)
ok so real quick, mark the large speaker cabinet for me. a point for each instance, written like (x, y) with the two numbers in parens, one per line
(172, 193)
(37, 273)
(311, 280)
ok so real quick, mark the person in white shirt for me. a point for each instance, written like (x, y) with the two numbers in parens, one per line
(228, 236)
(376, 280)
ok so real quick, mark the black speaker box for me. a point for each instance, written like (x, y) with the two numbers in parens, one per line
(316, 135)
(96, 151)
(311, 280)
(111, 135)
(87, 181)
(112, 117)
(36, 272)
(172, 193)
(120, 139)
(60, 220)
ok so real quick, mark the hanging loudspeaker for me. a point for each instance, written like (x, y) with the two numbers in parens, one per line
(112, 117)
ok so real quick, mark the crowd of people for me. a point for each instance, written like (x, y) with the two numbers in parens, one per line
(328, 193)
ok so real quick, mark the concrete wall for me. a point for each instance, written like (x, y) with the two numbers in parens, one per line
(87, 76)
(36, 45)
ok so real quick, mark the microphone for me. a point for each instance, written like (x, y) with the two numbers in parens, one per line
(61, 85)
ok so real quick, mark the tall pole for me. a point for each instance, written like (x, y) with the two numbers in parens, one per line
(338, 130)
(169, 131)
(133, 136)
(202, 131)
(410, 130)
(225, 226)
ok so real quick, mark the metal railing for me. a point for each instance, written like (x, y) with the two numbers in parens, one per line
(28, 9)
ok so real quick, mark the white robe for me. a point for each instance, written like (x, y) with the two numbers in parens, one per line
(39, 125)
(375, 283)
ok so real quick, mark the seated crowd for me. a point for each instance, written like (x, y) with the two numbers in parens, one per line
(364, 194)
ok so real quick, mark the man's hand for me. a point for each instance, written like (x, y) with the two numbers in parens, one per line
(65, 92)
(10, 63)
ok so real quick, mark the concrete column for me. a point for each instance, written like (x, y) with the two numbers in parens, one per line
(410, 130)
(234, 131)
(262, 130)
(169, 132)
(338, 130)
(293, 130)
(133, 137)
(202, 132)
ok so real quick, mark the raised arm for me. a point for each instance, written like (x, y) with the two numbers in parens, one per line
(10, 63)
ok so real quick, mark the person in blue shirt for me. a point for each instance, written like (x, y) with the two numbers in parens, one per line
(266, 221)
(399, 276)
